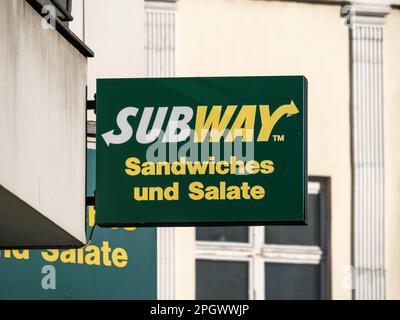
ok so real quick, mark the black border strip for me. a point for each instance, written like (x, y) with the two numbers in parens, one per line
(64, 31)
(202, 224)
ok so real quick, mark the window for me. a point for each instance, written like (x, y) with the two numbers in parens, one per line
(225, 279)
(271, 262)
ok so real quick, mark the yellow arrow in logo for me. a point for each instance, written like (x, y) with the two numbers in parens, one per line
(269, 121)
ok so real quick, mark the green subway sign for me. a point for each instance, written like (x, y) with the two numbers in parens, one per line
(197, 151)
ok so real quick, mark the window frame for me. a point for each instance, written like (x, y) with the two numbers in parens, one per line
(257, 253)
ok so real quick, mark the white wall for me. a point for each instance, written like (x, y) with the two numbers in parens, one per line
(42, 122)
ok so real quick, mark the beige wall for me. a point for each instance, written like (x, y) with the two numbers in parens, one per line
(115, 32)
(77, 24)
(245, 37)
(391, 56)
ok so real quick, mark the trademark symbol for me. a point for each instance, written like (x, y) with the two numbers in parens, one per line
(279, 137)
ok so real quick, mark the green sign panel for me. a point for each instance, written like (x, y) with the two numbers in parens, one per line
(117, 264)
(196, 151)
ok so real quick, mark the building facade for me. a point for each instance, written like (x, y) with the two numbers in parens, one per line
(349, 52)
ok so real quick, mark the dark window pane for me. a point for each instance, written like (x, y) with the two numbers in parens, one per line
(66, 4)
(221, 280)
(299, 235)
(292, 281)
(233, 234)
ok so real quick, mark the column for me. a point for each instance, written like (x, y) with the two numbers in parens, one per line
(160, 62)
(160, 38)
(367, 124)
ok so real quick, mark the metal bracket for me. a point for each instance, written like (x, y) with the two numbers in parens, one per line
(91, 104)
(91, 201)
